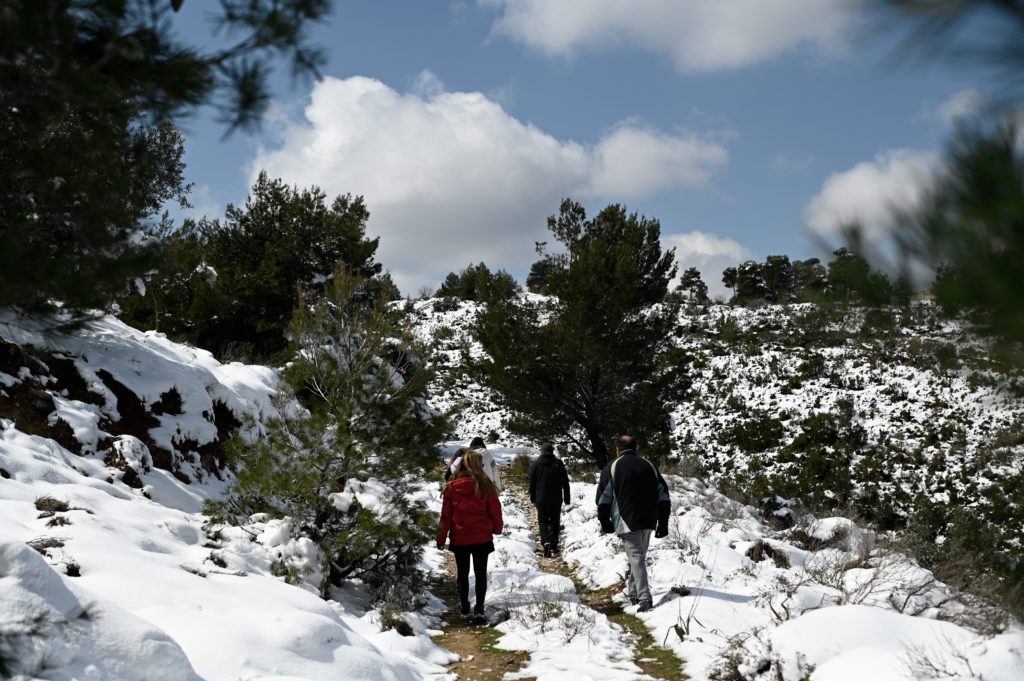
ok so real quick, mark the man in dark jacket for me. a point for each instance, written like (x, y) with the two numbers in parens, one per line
(549, 487)
(633, 502)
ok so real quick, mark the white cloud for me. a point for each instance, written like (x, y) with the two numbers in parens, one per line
(451, 178)
(698, 35)
(709, 253)
(868, 193)
(638, 162)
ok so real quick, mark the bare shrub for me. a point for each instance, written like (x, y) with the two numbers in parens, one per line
(48, 504)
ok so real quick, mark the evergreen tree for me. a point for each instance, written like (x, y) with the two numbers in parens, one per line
(342, 466)
(541, 270)
(777, 272)
(232, 286)
(596, 359)
(692, 284)
(851, 280)
(86, 155)
(847, 275)
(747, 281)
(809, 280)
(971, 224)
(478, 283)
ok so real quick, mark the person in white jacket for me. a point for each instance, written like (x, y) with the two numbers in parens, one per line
(490, 466)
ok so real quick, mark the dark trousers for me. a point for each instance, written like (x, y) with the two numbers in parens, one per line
(549, 517)
(479, 553)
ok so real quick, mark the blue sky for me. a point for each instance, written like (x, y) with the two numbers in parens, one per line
(463, 123)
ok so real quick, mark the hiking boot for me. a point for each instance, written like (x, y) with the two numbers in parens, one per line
(464, 609)
(633, 600)
(645, 606)
(548, 551)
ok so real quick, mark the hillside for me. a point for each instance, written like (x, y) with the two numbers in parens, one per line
(109, 445)
(111, 441)
(874, 411)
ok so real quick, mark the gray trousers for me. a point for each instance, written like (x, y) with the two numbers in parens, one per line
(636, 543)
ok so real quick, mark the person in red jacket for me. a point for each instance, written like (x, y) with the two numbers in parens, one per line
(470, 515)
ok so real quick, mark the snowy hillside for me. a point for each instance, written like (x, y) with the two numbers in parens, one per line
(108, 570)
(907, 406)
(907, 402)
(109, 445)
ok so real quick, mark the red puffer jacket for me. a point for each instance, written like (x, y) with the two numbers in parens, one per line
(468, 518)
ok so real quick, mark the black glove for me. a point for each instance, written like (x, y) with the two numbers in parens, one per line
(604, 516)
(662, 531)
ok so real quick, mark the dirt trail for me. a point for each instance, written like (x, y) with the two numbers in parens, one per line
(473, 643)
(655, 661)
(481, 660)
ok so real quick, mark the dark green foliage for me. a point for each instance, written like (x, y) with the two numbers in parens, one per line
(973, 223)
(540, 271)
(747, 282)
(87, 155)
(231, 287)
(809, 280)
(753, 435)
(778, 274)
(479, 284)
(596, 360)
(366, 425)
(819, 459)
(73, 226)
(776, 280)
(848, 280)
(692, 287)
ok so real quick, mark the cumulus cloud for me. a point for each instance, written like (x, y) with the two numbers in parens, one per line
(698, 35)
(709, 253)
(451, 178)
(638, 162)
(868, 193)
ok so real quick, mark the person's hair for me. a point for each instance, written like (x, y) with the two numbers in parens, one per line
(477, 443)
(625, 442)
(472, 466)
(455, 457)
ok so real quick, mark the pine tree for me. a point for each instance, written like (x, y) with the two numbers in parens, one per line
(232, 286)
(479, 284)
(343, 465)
(596, 359)
(694, 287)
(87, 153)
(971, 225)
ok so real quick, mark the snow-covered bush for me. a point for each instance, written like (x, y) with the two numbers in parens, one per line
(354, 436)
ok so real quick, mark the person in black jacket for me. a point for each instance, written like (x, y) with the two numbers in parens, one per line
(633, 502)
(549, 488)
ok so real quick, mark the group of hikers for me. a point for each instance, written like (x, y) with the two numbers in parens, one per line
(632, 501)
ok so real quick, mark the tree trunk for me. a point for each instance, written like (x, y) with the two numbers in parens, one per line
(598, 449)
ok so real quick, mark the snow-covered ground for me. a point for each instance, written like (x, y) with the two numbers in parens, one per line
(103, 580)
(108, 569)
(825, 600)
